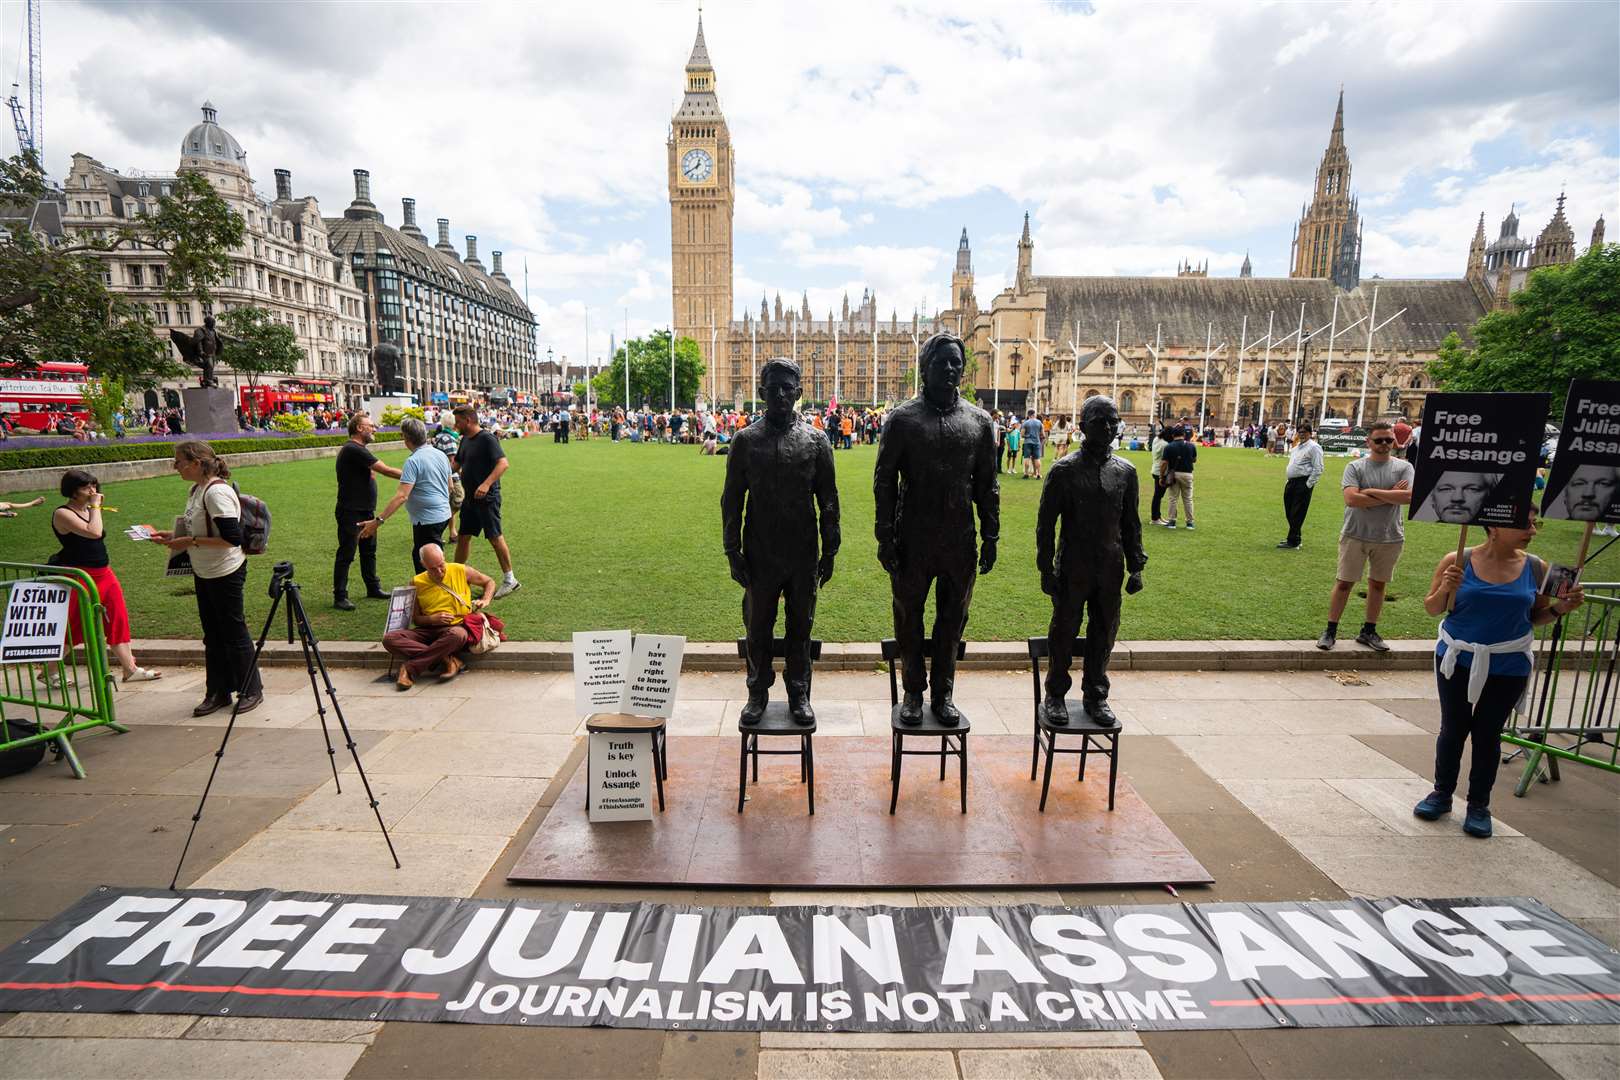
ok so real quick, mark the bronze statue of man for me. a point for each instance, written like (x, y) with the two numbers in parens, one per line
(779, 474)
(386, 362)
(201, 349)
(1094, 494)
(936, 465)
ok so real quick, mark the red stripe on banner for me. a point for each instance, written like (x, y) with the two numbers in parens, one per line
(1409, 999)
(263, 991)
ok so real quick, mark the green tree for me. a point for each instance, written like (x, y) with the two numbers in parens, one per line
(258, 345)
(54, 303)
(649, 372)
(1564, 324)
(102, 397)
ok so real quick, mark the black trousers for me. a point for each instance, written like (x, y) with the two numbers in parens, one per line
(1158, 500)
(1460, 721)
(767, 588)
(227, 645)
(950, 574)
(1296, 504)
(1098, 598)
(431, 532)
(348, 529)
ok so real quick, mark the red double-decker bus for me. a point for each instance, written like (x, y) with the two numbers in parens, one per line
(39, 396)
(287, 394)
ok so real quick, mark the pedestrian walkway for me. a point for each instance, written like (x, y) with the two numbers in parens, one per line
(1285, 785)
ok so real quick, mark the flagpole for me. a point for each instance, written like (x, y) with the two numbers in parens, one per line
(1327, 368)
(1203, 393)
(1237, 392)
(1366, 359)
(1265, 374)
(1115, 391)
(1299, 351)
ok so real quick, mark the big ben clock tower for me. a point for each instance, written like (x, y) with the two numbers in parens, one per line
(702, 188)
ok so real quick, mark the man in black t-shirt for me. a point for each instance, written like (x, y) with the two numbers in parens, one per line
(481, 462)
(357, 467)
(1180, 453)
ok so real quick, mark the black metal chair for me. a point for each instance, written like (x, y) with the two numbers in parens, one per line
(1094, 738)
(929, 728)
(778, 722)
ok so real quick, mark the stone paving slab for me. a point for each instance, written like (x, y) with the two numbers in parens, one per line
(857, 1064)
(1058, 1064)
(279, 1029)
(357, 862)
(944, 1040)
(1232, 757)
(175, 1059)
(1580, 1061)
(48, 1025)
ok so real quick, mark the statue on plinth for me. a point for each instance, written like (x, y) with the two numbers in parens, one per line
(201, 349)
(936, 465)
(1094, 494)
(387, 362)
(780, 494)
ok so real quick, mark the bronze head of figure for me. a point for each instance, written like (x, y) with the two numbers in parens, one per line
(1099, 425)
(943, 360)
(780, 388)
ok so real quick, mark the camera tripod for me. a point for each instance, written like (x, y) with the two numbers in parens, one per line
(282, 586)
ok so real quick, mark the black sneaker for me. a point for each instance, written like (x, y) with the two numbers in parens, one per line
(377, 594)
(1189, 526)
(211, 704)
(1285, 545)
(1371, 639)
(248, 702)
(1327, 640)
(343, 603)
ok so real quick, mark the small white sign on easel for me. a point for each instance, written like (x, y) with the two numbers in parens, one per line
(601, 662)
(655, 671)
(36, 623)
(621, 779)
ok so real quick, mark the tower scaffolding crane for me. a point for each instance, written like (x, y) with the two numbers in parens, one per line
(30, 130)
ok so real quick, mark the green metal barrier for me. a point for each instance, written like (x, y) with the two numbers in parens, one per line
(1575, 691)
(68, 696)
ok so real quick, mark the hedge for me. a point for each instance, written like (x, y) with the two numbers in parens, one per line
(62, 457)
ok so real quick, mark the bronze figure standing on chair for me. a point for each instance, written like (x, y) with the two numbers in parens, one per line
(1094, 494)
(936, 464)
(780, 471)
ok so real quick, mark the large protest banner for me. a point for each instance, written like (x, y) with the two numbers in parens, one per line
(1477, 458)
(1339, 963)
(1583, 483)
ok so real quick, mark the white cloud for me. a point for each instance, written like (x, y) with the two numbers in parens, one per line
(1136, 133)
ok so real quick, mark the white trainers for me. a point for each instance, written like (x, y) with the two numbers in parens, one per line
(507, 587)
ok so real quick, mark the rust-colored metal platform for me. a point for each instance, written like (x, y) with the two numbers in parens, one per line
(852, 842)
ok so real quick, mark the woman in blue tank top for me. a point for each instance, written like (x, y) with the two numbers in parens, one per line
(1483, 659)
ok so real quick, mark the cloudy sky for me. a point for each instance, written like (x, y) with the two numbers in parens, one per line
(869, 133)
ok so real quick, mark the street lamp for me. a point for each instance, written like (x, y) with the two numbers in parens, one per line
(551, 369)
(1013, 361)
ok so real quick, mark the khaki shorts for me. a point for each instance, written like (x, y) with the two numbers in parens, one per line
(1378, 559)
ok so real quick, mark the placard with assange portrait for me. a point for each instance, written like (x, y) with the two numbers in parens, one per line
(1477, 460)
(1583, 483)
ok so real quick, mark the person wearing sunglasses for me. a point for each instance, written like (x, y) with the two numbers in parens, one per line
(1375, 489)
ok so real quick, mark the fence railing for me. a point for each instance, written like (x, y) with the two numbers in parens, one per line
(1572, 715)
(64, 697)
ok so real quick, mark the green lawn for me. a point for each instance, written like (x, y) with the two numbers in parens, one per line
(608, 536)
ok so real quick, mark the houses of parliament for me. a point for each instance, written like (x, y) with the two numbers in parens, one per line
(1230, 349)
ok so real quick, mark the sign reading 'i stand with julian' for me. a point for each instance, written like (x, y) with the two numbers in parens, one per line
(36, 623)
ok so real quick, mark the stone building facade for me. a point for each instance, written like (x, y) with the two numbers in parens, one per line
(852, 354)
(1234, 350)
(459, 325)
(285, 265)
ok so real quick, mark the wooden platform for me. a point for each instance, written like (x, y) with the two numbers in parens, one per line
(852, 842)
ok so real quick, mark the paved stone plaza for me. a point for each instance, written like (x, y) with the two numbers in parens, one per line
(1285, 785)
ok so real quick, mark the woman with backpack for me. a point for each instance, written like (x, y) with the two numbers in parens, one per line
(213, 540)
(79, 530)
(1483, 660)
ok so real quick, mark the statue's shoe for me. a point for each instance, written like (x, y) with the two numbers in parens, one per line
(911, 710)
(754, 710)
(947, 712)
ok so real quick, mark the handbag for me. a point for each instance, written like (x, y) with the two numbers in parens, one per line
(485, 632)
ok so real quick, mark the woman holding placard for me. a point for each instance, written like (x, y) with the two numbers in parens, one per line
(1483, 660)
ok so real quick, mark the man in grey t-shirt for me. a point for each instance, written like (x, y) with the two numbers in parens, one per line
(1375, 489)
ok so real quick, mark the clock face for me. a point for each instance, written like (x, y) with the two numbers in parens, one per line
(696, 166)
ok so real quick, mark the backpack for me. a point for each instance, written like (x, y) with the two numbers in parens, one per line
(255, 521)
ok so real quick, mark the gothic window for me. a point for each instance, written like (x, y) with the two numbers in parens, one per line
(1342, 382)
(1417, 382)
(1127, 402)
(1189, 377)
